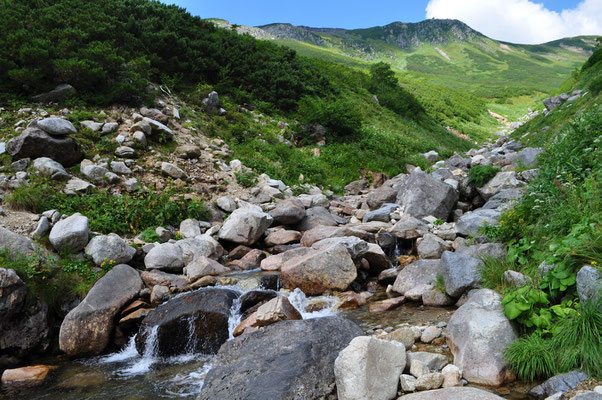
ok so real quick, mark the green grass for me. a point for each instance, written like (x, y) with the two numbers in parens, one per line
(481, 174)
(531, 358)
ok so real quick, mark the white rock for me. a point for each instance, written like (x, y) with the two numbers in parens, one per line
(452, 376)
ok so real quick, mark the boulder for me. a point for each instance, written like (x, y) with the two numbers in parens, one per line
(552, 102)
(166, 257)
(383, 214)
(35, 143)
(190, 228)
(378, 197)
(320, 270)
(87, 328)
(211, 102)
(77, 186)
(193, 322)
(432, 361)
(429, 381)
(226, 204)
(419, 273)
(558, 383)
(200, 246)
(316, 216)
(504, 198)
(282, 237)
(369, 369)
(356, 247)
(495, 250)
(527, 157)
(158, 130)
(70, 234)
(60, 93)
(203, 266)
(324, 232)
(26, 376)
(288, 212)
(276, 261)
(15, 244)
(502, 180)
(589, 284)
(287, 360)
(156, 277)
(377, 259)
(13, 293)
(422, 195)
(50, 168)
(93, 172)
(452, 376)
(409, 228)
(188, 151)
(172, 171)
(460, 273)
(452, 393)
(109, 248)
(431, 247)
(470, 223)
(56, 126)
(478, 333)
(277, 309)
(92, 125)
(245, 225)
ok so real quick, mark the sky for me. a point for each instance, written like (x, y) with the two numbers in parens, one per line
(516, 21)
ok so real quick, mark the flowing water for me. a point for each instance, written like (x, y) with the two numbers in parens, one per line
(130, 376)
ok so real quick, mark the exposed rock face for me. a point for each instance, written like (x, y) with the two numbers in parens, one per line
(206, 312)
(15, 243)
(320, 270)
(87, 328)
(245, 225)
(421, 195)
(558, 383)
(369, 369)
(460, 273)
(452, 393)
(35, 143)
(70, 234)
(478, 333)
(110, 248)
(287, 360)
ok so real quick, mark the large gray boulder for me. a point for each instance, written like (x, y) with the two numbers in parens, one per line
(287, 360)
(166, 257)
(15, 243)
(316, 216)
(369, 369)
(470, 223)
(589, 284)
(109, 248)
(356, 247)
(452, 393)
(196, 321)
(380, 196)
(35, 143)
(382, 214)
(558, 383)
(159, 130)
(527, 157)
(50, 168)
(245, 225)
(502, 180)
(320, 270)
(421, 195)
(56, 126)
(460, 272)
(87, 328)
(200, 246)
(478, 333)
(504, 198)
(70, 234)
(288, 212)
(420, 273)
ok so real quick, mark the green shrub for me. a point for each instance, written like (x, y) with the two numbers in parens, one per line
(149, 235)
(246, 179)
(481, 174)
(531, 358)
(34, 198)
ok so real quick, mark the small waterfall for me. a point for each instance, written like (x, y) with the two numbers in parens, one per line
(235, 316)
(149, 357)
(300, 301)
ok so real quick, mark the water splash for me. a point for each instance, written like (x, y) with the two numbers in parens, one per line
(143, 365)
(127, 353)
(235, 317)
(300, 301)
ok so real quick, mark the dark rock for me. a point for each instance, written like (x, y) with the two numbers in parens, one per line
(206, 312)
(287, 360)
(254, 297)
(270, 282)
(35, 143)
(558, 383)
(460, 272)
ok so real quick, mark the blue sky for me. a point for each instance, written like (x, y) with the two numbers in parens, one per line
(512, 20)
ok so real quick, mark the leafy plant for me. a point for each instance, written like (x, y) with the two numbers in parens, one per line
(558, 280)
(522, 305)
(481, 174)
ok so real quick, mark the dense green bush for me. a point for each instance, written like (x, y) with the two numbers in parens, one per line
(338, 116)
(481, 174)
(390, 94)
(110, 49)
(531, 358)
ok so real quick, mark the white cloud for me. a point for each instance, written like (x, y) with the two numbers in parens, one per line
(521, 21)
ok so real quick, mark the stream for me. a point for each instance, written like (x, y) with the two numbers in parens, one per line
(128, 375)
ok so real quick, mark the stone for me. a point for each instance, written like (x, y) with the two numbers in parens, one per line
(245, 225)
(87, 328)
(172, 171)
(43, 227)
(429, 381)
(320, 270)
(460, 273)
(527, 157)
(203, 266)
(495, 250)
(275, 310)
(200, 246)
(166, 257)
(324, 232)
(314, 217)
(35, 143)
(50, 168)
(26, 376)
(434, 297)
(92, 125)
(159, 294)
(60, 93)
(70, 234)
(16, 244)
(432, 361)
(418, 369)
(277, 359)
(159, 130)
(470, 223)
(369, 369)
(377, 259)
(196, 321)
(56, 126)
(502, 180)
(504, 198)
(288, 212)
(251, 260)
(131, 185)
(20, 165)
(226, 204)
(421, 195)
(254, 298)
(478, 333)
(93, 172)
(211, 102)
(109, 127)
(157, 277)
(386, 305)
(190, 228)
(432, 156)
(452, 376)
(112, 178)
(109, 249)
(282, 237)
(409, 228)
(380, 196)
(516, 278)
(188, 151)
(552, 102)
(589, 284)
(120, 168)
(430, 333)
(382, 214)
(407, 336)
(125, 152)
(13, 293)
(77, 186)
(350, 299)
(422, 272)
(276, 261)
(453, 393)
(140, 138)
(431, 247)
(407, 383)
(558, 383)
(356, 247)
